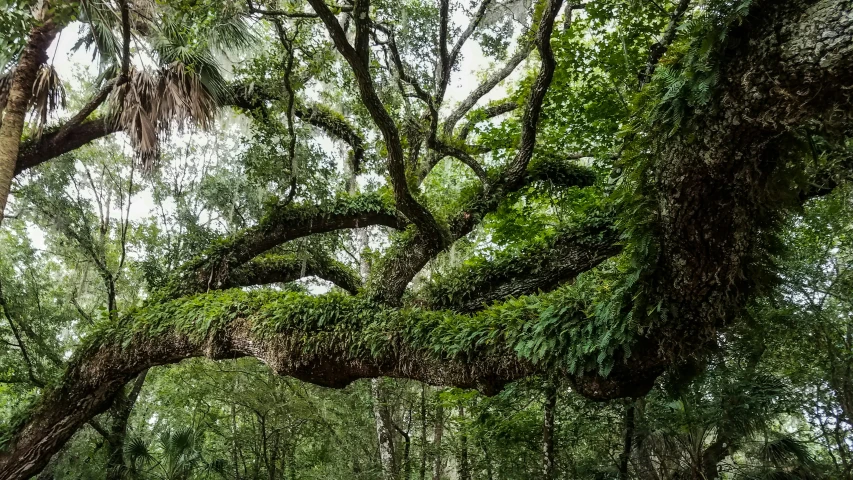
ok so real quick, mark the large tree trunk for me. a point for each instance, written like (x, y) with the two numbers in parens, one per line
(32, 57)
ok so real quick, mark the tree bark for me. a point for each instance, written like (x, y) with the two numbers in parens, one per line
(464, 467)
(424, 447)
(438, 465)
(384, 432)
(120, 413)
(32, 57)
(627, 442)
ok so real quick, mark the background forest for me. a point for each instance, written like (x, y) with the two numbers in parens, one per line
(262, 112)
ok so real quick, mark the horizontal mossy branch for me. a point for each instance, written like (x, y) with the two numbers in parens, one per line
(282, 223)
(330, 340)
(277, 268)
(537, 268)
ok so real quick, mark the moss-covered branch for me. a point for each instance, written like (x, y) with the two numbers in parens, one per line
(538, 268)
(411, 254)
(282, 223)
(331, 341)
(331, 122)
(267, 269)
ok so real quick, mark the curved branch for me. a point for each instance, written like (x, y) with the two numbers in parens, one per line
(269, 269)
(538, 269)
(214, 269)
(486, 87)
(530, 119)
(330, 341)
(405, 261)
(332, 123)
(448, 150)
(457, 48)
(35, 152)
(357, 58)
(485, 113)
(396, 273)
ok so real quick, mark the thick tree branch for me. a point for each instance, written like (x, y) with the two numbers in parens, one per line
(391, 280)
(277, 268)
(530, 119)
(538, 269)
(395, 272)
(445, 149)
(329, 341)
(214, 269)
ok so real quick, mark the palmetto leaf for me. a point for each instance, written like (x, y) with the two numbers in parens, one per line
(232, 33)
(48, 95)
(137, 451)
(785, 450)
(102, 21)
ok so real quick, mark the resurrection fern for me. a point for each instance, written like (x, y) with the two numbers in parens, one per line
(685, 80)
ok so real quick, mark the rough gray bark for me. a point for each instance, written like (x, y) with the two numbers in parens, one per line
(718, 179)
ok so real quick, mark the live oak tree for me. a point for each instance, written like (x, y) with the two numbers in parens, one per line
(736, 113)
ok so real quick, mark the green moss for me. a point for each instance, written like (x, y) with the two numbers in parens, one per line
(230, 252)
(464, 283)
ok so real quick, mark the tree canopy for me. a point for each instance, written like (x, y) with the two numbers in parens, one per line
(608, 239)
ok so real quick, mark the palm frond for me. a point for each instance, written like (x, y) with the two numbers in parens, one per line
(785, 450)
(137, 451)
(102, 20)
(232, 33)
(48, 95)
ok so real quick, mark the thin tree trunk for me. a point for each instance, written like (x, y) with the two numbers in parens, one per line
(438, 468)
(424, 449)
(464, 468)
(383, 432)
(627, 443)
(120, 414)
(32, 57)
(234, 458)
(549, 467)
(490, 474)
